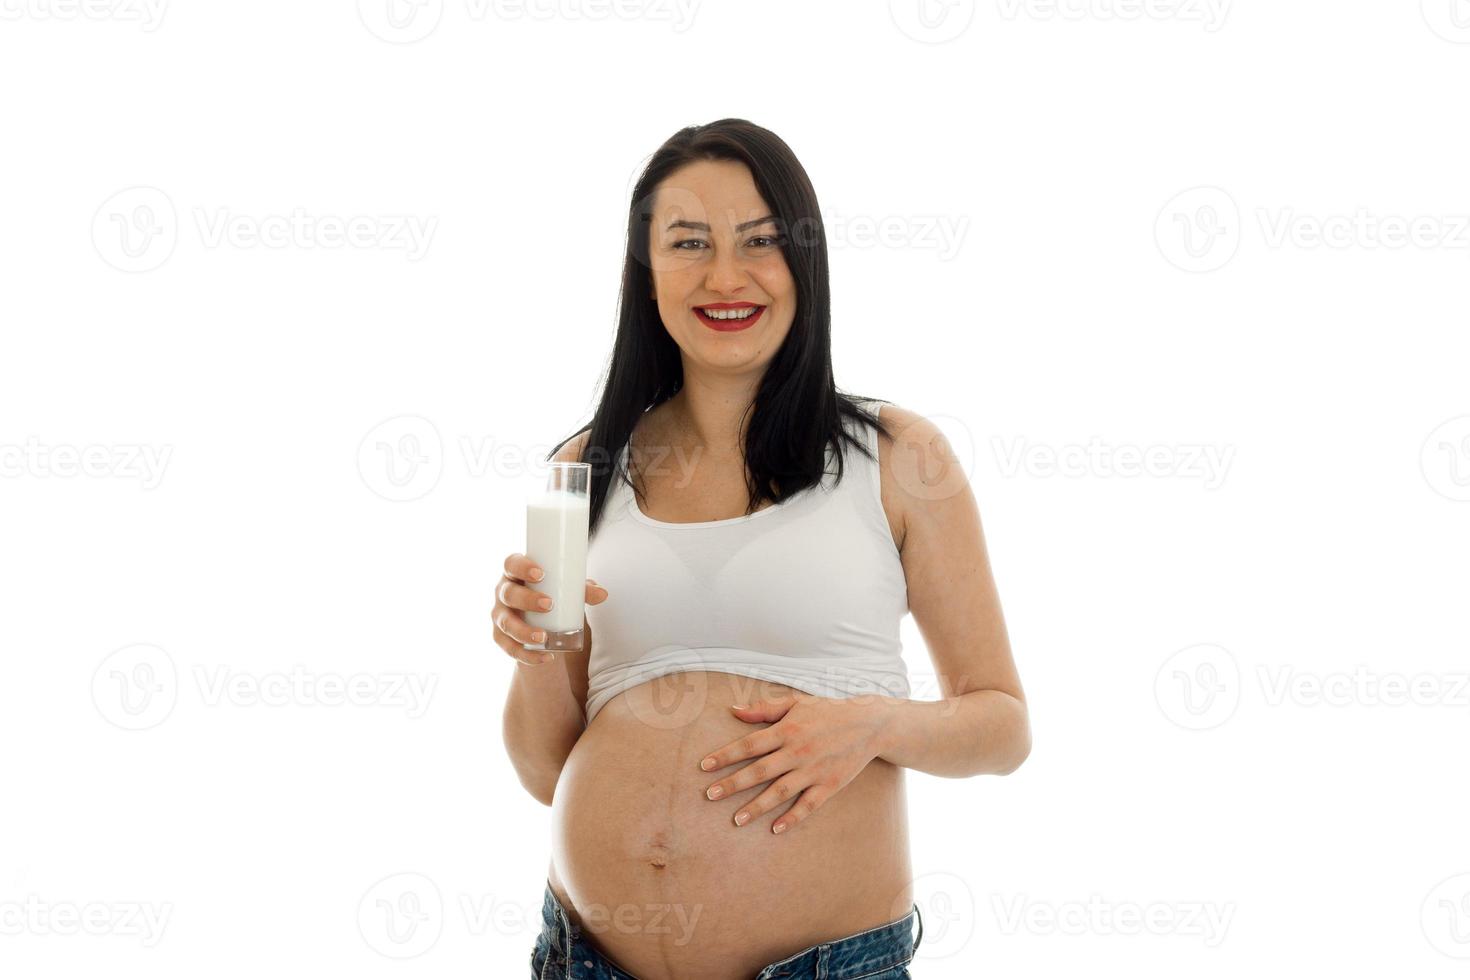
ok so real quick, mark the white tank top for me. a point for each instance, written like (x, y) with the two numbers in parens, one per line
(808, 593)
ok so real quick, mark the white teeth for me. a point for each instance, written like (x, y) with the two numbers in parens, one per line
(730, 314)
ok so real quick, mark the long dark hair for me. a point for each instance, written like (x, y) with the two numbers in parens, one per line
(797, 411)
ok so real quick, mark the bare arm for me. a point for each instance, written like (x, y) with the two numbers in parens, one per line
(981, 723)
(545, 709)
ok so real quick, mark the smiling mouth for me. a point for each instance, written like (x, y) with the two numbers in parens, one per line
(729, 317)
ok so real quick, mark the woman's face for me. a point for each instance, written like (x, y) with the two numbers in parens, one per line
(715, 243)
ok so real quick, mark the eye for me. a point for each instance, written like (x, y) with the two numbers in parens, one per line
(766, 241)
(679, 245)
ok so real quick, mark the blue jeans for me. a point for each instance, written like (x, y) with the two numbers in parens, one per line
(879, 953)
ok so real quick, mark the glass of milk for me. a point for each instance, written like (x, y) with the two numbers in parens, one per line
(556, 540)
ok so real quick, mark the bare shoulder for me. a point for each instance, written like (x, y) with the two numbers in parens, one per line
(921, 476)
(571, 452)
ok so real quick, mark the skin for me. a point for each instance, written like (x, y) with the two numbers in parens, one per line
(980, 725)
(815, 745)
(717, 262)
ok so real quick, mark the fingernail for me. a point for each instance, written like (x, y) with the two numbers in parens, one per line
(740, 707)
(707, 764)
(740, 819)
(536, 574)
(778, 828)
(538, 637)
(715, 793)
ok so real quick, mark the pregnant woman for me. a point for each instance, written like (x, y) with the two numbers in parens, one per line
(724, 761)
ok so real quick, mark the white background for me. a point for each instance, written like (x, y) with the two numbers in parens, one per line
(1166, 228)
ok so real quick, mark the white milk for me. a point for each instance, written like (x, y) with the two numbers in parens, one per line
(556, 540)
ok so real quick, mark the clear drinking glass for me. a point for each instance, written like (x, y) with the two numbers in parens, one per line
(556, 540)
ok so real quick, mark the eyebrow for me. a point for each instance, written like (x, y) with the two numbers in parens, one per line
(701, 226)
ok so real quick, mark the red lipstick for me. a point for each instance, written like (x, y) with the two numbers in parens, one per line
(729, 325)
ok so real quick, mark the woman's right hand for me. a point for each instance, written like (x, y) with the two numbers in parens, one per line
(513, 595)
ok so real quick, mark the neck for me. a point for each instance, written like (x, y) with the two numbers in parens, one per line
(712, 416)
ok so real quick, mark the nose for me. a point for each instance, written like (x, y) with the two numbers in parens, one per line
(725, 273)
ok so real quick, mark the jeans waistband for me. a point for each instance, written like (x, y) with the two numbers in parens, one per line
(835, 960)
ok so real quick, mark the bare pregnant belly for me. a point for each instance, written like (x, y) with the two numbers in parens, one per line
(660, 879)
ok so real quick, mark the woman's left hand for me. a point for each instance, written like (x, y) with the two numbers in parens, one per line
(816, 747)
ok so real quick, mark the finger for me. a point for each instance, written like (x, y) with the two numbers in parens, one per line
(595, 592)
(515, 628)
(746, 747)
(515, 651)
(523, 569)
(771, 709)
(781, 791)
(811, 798)
(518, 596)
(760, 771)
